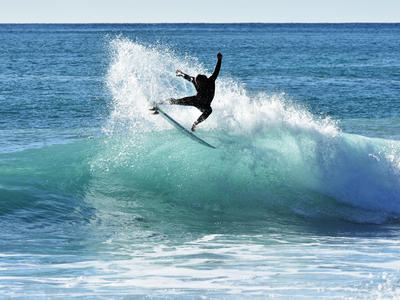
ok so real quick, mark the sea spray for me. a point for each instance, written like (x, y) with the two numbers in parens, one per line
(140, 75)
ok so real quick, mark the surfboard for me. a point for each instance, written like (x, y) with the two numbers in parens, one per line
(182, 129)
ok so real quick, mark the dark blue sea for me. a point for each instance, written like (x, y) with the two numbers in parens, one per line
(99, 198)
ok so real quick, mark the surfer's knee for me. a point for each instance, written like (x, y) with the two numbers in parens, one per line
(207, 112)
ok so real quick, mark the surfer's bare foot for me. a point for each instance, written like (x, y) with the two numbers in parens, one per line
(193, 127)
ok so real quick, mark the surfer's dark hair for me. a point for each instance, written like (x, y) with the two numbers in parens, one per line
(200, 78)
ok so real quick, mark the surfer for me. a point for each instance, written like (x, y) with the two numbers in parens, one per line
(205, 88)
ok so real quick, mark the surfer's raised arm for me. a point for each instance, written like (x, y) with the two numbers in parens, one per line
(179, 73)
(217, 67)
(205, 88)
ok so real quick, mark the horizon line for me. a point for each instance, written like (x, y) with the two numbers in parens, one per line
(216, 23)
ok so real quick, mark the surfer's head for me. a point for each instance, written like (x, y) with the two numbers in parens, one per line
(200, 79)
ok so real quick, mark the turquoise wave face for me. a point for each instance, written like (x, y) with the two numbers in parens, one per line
(284, 172)
(49, 180)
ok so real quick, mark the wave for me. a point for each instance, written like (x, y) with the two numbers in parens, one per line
(270, 150)
(272, 155)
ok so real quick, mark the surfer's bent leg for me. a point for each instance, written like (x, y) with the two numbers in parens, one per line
(191, 101)
(206, 112)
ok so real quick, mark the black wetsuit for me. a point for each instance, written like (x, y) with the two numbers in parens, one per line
(205, 88)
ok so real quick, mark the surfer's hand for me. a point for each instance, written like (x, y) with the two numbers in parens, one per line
(219, 55)
(179, 73)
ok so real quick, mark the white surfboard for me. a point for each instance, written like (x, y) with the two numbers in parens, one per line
(182, 129)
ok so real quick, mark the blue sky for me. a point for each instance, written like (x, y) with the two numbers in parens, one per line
(134, 11)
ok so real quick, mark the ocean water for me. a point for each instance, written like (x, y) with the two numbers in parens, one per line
(101, 199)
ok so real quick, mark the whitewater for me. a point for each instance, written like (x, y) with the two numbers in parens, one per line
(288, 205)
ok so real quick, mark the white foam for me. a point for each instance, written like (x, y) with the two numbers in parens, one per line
(141, 74)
